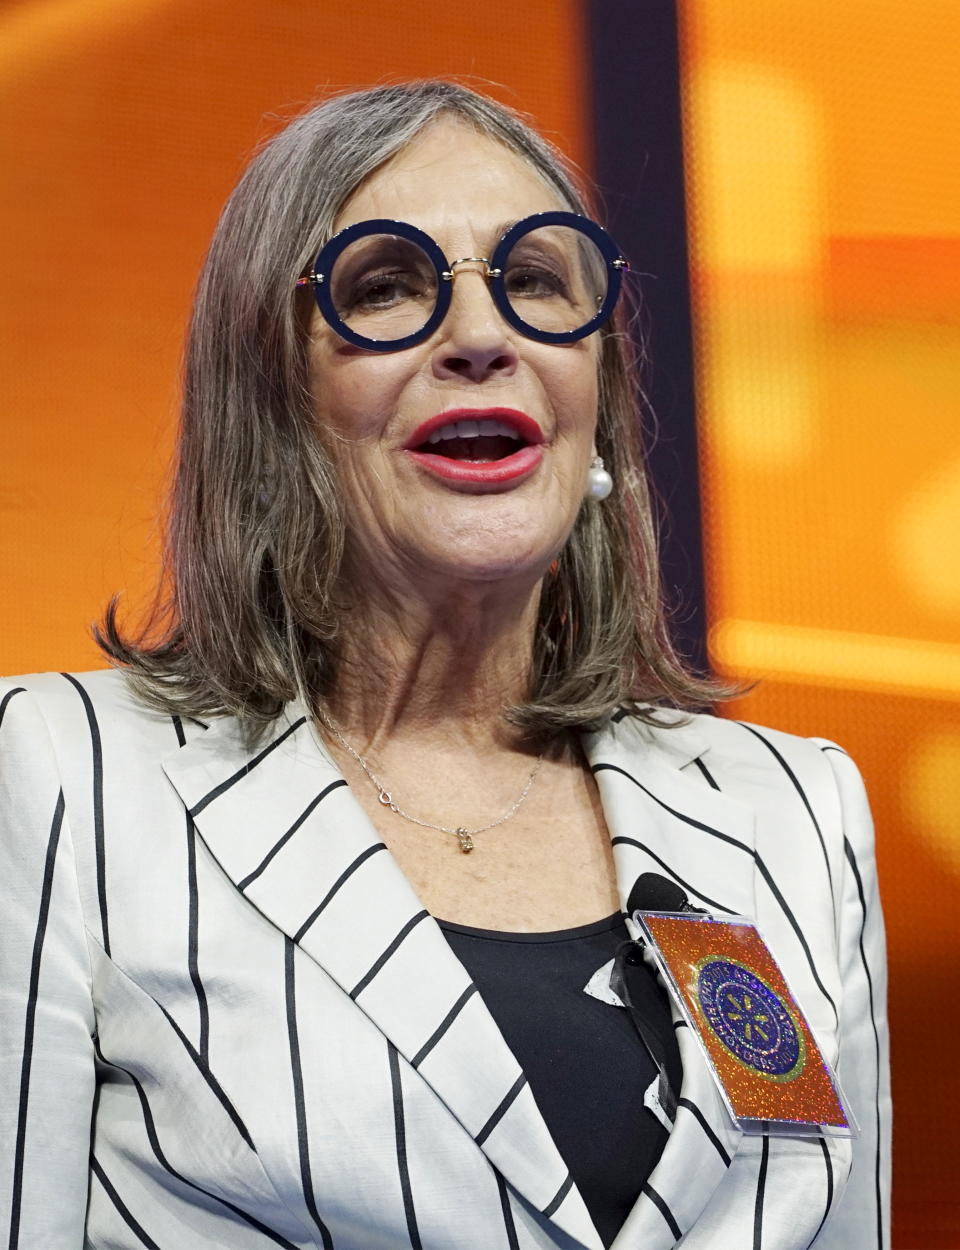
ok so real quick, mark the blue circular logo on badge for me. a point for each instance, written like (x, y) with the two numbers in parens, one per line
(750, 1019)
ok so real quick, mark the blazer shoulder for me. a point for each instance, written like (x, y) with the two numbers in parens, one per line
(725, 741)
(53, 692)
(782, 771)
(744, 760)
(730, 743)
(71, 706)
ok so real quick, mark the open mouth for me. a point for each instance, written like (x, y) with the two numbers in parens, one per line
(479, 442)
(478, 449)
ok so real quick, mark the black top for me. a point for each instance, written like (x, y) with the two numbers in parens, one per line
(587, 1067)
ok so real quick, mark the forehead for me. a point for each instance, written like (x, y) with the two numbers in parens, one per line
(455, 183)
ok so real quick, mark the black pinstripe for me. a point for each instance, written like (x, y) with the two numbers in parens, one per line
(279, 845)
(400, 1129)
(193, 941)
(365, 980)
(150, 1126)
(6, 699)
(502, 1109)
(29, 1026)
(344, 876)
(687, 820)
(852, 860)
(96, 747)
(122, 1210)
(193, 922)
(706, 773)
(622, 840)
(801, 936)
(208, 1076)
(829, 1203)
(664, 1210)
(761, 1190)
(508, 1222)
(553, 1206)
(247, 768)
(702, 1121)
(795, 782)
(442, 1027)
(303, 1141)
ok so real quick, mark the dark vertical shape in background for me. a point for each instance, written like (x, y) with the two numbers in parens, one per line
(638, 145)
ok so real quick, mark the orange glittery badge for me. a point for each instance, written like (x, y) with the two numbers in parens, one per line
(755, 1035)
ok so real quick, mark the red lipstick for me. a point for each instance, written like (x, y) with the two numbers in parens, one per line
(525, 426)
(505, 470)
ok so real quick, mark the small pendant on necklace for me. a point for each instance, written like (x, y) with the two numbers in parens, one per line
(466, 842)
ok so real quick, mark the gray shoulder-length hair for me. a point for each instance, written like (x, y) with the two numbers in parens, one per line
(253, 599)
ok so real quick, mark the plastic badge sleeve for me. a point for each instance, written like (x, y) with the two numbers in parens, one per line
(768, 1067)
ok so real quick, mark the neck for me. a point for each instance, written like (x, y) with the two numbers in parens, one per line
(418, 668)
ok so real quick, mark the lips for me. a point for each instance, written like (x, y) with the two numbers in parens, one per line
(478, 446)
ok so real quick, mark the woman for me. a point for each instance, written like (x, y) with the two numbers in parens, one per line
(400, 744)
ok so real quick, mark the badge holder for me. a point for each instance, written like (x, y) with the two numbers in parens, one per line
(770, 1072)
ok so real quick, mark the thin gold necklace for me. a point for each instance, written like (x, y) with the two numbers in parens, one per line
(464, 835)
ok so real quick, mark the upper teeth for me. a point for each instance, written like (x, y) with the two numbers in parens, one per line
(473, 429)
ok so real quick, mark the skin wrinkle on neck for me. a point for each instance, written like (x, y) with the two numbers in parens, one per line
(451, 661)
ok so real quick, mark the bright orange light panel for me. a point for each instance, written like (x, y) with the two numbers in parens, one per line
(123, 126)
(824, 195)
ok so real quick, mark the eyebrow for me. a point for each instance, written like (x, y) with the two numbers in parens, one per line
(500, 230)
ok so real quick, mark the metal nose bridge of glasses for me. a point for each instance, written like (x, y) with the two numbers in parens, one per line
(614, 264)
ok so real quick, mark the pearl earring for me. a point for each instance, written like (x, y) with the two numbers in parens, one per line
(599, 481)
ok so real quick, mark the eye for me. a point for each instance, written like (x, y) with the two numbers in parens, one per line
(381, 274)
(529, 281)
(385, 289)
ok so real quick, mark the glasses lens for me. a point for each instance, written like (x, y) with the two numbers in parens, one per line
(555, 278)
(383, 287)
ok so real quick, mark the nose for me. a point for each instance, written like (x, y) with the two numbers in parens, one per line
(474, 342)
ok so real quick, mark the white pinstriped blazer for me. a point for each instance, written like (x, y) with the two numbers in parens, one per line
(228, 1021)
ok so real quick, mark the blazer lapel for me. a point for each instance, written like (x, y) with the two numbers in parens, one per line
(664, 821)
(283, 825)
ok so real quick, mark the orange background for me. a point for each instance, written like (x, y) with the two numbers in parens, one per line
(824, 209)
(824, 200)
(123, 126)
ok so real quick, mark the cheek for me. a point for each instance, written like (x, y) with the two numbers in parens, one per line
(576, 393)
(342, 389)
(354, 396)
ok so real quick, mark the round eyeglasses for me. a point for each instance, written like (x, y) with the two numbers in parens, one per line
(385, 285)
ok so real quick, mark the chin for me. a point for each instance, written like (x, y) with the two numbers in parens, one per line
(519, 564)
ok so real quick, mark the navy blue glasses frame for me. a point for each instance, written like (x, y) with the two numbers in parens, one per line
(331, 250)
